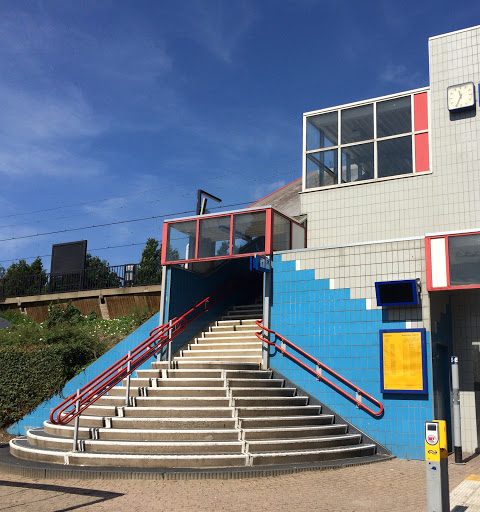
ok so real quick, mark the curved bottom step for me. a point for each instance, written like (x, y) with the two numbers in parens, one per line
(20, 448)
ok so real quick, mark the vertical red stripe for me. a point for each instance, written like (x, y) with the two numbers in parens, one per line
(420, 109)
(164, 243)
(422, 153)
(268, 231)
(447, 261)
(231, 236)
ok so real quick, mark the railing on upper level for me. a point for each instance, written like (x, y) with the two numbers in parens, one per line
(94, 278)
(158, 339)
(317, 372)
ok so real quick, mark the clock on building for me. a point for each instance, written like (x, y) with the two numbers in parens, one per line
(461, 96)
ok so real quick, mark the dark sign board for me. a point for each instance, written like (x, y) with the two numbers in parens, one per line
(397, 293)
(69, 257)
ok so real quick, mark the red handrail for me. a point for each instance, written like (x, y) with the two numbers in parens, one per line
(158, 338)
(319, 375)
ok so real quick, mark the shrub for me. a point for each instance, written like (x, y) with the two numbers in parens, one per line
(36, 360)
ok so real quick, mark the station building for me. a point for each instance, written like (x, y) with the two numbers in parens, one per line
(374, 254)
(388, 204)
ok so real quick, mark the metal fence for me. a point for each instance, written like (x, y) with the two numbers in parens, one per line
(95, 278)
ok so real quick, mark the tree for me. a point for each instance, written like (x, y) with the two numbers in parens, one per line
(150, 268)
(22, 279)
(223, 249)
(98, 274)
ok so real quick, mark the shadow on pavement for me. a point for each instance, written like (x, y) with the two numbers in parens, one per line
(100, 496)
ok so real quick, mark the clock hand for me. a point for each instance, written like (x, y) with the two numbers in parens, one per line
(459, 98)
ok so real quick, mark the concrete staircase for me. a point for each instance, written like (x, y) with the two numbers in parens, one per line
(216, 407)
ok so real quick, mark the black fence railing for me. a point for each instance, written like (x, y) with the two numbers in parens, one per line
(120, 276)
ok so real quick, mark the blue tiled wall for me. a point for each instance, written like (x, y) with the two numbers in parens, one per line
(42, 412)
(344, 335)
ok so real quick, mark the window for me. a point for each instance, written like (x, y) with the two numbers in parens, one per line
(366, 142)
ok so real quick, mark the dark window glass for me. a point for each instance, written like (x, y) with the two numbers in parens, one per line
(322, 169)
(248, 233)
(322, 131)
(214, 237)
(181, 240)
(464, 256)
(357, 124)
(394, 117)
(357, 163)
(281, 233)
(394, 156)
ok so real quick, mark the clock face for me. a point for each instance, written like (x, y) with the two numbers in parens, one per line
(461, 96)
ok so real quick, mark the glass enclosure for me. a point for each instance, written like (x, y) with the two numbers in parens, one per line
(366, 142)
(230, 235)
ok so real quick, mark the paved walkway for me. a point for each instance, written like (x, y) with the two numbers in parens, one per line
(396, 485)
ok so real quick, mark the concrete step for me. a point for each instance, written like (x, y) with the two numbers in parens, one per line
(229, 374)
(21, 449)
(237, 322)
(285, 421)
(232, 328)
(190, 422)
(294, 432)
(224, 365)
(157, 383)
(270, 401)
(171, 392)
(284, 445)
(44, 440)
(238, 346)
(213, 354)
(182, 364)
(262, 392)
(145, 434)
(194, 401)
(283, 411)
(227, 334)
(302, 457)
(176, 412)
(255, 383)
(197, 358)
(167, 401)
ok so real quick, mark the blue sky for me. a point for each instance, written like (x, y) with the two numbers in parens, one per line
(119, 110)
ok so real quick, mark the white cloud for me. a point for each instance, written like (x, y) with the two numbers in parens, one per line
(220, 27)
(399, 74)
(263, 189)
(41, 133)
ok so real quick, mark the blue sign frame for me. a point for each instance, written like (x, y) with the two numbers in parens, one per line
(424, 388)
(415, 293)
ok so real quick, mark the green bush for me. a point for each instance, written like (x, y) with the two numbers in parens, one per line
(36, 360)
(15, 318)
(29, 377)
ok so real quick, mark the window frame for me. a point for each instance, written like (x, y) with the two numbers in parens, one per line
(340, 147)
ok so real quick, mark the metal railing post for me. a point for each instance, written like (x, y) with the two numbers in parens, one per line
(169, 348)
(127, 396)
(77, 422)
(457, 422)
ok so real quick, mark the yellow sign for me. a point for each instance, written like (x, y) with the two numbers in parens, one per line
(403, 361)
